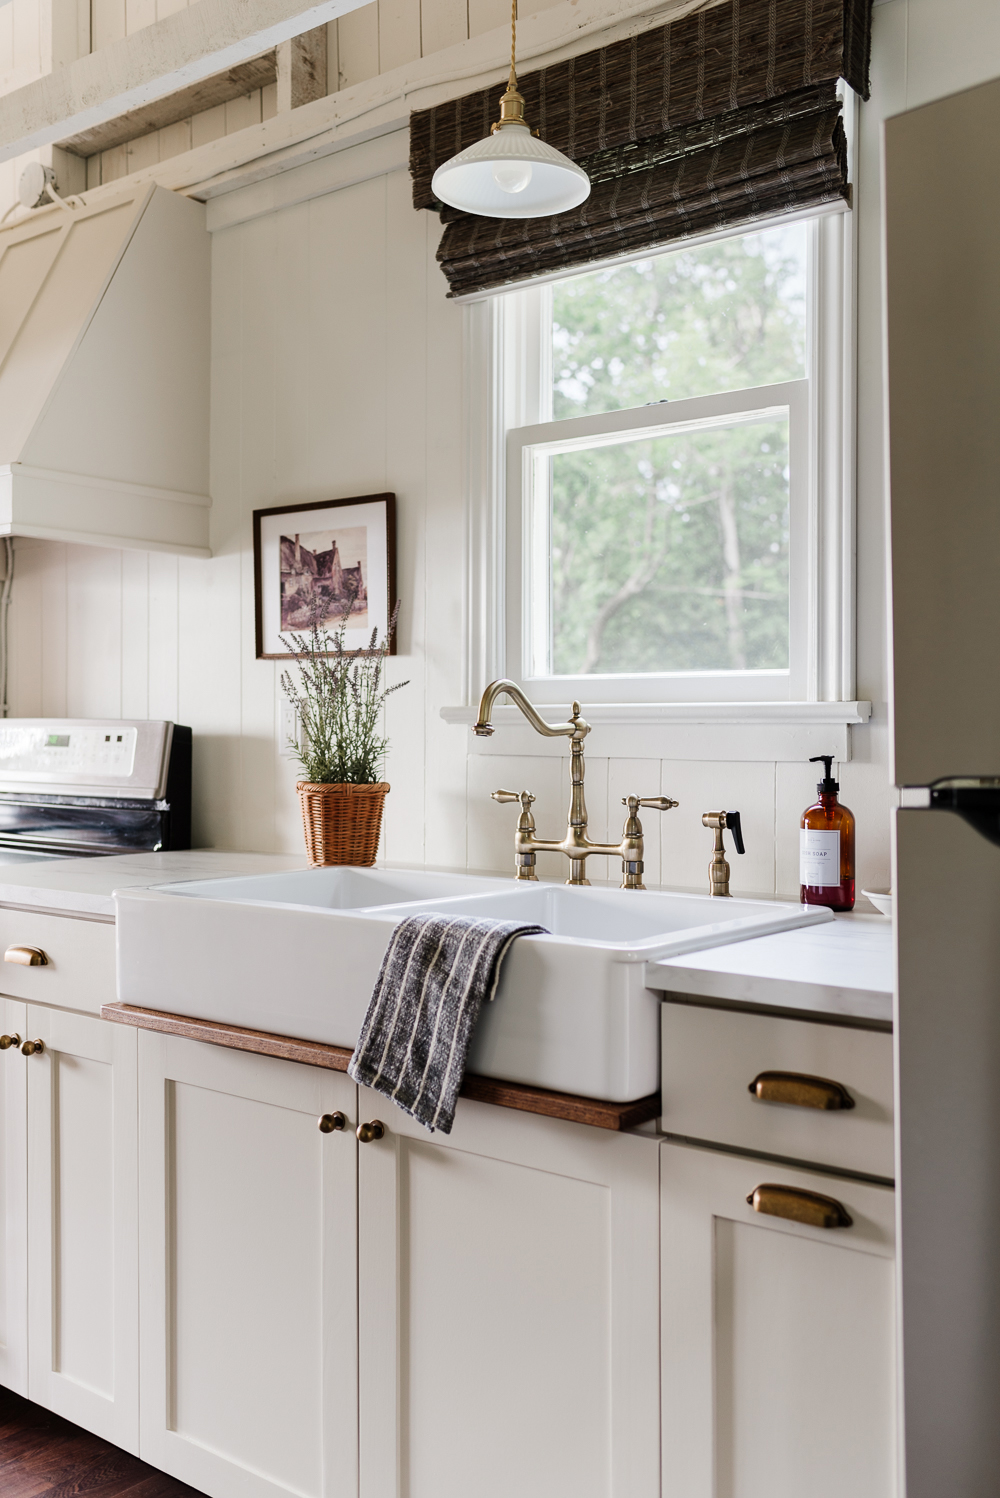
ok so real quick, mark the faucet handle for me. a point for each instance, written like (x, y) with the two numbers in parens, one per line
(657, 803)
(525, 797)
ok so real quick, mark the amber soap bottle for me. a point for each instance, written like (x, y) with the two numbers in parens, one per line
(826, 847)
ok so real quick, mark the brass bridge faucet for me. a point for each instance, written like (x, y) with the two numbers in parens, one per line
(576, 844)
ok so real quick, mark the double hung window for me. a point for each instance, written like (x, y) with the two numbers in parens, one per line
(677, 518)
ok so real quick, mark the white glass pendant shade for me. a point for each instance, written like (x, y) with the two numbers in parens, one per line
(511, 174)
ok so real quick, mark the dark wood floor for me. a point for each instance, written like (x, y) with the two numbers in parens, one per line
(44, 1456)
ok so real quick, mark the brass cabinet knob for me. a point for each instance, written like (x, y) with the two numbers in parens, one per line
(796, 1205)
(800, 1090)
(26, 956)
(6, 1041)
(329, 1123)
(33, 1048)
(366, 1132)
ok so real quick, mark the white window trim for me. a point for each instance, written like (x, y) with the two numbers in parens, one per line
(505, 387)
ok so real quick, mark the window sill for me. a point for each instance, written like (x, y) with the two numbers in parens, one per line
(783, 731)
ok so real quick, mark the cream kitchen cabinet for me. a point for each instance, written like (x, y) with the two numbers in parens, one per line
(248, 1254)
(82, 1220)
(478, 1310)
(13, 1200)
(778, 1337)
(508, 1308)
(69, 1281)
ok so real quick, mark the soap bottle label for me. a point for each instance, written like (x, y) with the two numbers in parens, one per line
(819, 858)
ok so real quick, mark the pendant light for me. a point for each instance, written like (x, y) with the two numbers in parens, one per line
(511, 174)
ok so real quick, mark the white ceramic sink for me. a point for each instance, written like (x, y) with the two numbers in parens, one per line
(297, 953)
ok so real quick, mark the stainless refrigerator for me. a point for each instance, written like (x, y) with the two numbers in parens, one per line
(942, 182)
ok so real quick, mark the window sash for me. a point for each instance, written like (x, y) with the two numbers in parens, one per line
(527, 447)
(509, 386)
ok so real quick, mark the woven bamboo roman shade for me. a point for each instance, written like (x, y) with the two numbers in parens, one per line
(716, 120)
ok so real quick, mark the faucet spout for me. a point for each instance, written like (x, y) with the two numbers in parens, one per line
(576, 728)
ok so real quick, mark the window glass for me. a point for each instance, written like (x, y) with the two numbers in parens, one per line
(723, 316)
(665, 553)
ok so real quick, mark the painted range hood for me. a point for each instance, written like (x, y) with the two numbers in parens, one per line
(104, 374)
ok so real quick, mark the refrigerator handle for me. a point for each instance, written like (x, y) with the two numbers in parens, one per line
(975, 799)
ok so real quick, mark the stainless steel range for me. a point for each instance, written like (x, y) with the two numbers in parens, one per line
(83, 787)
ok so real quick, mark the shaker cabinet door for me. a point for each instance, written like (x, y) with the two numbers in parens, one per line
(509, 1308)
(778, 1337)
(83, 1222)
(13, 1201)
(248, 1265)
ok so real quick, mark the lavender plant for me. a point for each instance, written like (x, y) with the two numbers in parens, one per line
(338, 701)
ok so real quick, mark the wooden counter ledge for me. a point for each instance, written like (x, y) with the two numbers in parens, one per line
(566, 1105)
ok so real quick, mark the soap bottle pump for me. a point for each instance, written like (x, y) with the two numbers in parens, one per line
(826, 846)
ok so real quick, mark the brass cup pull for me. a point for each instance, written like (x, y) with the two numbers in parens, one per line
(329, 1123)
(367, 1132)
(795, 1205)
(26, 956)
(799, 1090)
(6, 1041)
(33, 1048)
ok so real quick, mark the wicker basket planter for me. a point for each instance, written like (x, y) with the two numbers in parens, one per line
(342, 823)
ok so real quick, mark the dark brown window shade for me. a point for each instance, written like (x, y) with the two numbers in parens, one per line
(712, 121)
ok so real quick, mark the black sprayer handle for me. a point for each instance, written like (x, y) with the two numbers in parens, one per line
(733, 823)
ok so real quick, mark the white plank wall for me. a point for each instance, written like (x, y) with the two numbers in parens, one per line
(337, 371)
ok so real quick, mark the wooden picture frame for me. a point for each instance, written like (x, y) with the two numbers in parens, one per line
(300, 569)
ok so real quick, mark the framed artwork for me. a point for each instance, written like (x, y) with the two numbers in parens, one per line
(313, 562)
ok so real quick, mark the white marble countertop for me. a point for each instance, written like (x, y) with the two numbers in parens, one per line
(841, 969)
(83, 886)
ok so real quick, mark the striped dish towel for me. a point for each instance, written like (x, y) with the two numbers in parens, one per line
(435, 975)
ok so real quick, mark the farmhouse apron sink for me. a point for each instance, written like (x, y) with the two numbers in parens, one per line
(297, 954)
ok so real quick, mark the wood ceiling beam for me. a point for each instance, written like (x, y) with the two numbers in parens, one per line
(176, 53)
(219, 89)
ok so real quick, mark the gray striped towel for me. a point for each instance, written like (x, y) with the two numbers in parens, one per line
(435, 975)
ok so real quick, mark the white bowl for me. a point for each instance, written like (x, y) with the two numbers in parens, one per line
(880, 898)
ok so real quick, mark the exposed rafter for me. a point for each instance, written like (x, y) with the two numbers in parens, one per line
(176, 53)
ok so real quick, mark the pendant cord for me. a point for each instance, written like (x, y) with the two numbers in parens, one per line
(513, 41)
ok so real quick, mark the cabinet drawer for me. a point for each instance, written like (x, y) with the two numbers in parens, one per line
(80, 971)
(711, 1058)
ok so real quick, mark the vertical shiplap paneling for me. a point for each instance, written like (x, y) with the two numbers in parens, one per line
(398, 33)
(25, 660)
(6, 40)
(242, 112)
(487, 15)
(209, 697)
(443, 23)
(446, 745)
(406, 402)
(142, 152)
(303, 469)
(28, 55)
(163, 637)
(358, 45)
(175, 139)
(262, 275)
(107, 22)
(139, 13)
(55, 628)
(93, 632)
(209, 125)
(135, 634)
